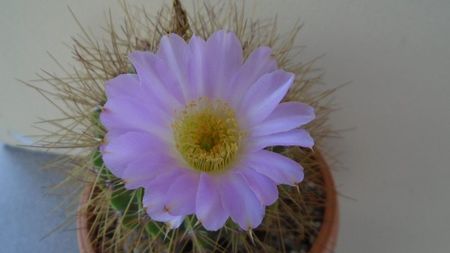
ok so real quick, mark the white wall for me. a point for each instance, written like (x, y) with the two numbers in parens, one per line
(395, 52)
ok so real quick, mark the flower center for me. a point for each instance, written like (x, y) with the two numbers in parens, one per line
(207, 135)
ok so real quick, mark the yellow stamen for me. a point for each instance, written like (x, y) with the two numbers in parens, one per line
(207, 135)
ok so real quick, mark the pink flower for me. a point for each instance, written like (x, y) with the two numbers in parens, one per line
(191, 127)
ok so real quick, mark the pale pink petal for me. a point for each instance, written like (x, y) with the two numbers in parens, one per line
(279, 168)
(241, 202)
(286, 116)
(263, 187)
(295, 137)
(264, 96)
(209, 209)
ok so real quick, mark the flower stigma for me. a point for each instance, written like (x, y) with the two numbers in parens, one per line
(207, 135)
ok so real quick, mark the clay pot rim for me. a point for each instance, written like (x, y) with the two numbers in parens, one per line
(325, 241)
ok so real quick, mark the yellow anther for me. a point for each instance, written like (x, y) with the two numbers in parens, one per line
(207, 135)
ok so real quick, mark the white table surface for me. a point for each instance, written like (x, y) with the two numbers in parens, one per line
(396, 53)
(31, 216)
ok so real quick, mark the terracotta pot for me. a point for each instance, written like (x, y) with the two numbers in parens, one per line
(326, 239)
(84, 242)
(324, 243)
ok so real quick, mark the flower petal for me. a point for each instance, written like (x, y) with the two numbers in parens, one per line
(124, 85)
(286, 116)
(176, 53)
(127, 99)
(156, 189)
(139, 172)
(295, 137)
(279, 168)
(264, 96)
(181, 196)
(157, 77)
(175, 222)
(259, 62)
(198, 67)
(263, 187)
(126, 148)
(209, 209)
(239, 200)
(163, 216)
(155, 196)
(121, 115)
(223, 60)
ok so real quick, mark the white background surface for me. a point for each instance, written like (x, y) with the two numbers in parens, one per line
(395, 52)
